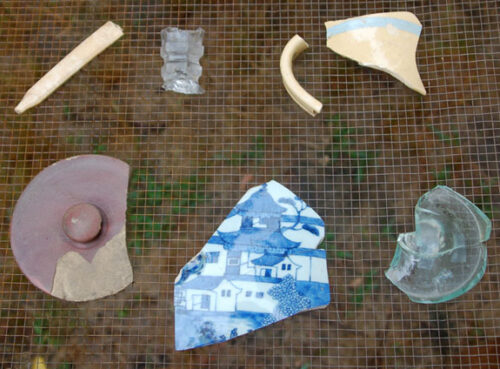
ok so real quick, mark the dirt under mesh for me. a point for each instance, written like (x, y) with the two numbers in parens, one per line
(361, 164)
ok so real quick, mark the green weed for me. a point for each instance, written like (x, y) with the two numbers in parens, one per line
(41, 333)
(329, 238)
(146, 193)
(65, 366)
(443, 175)
(123, 313)
(254, 154)
(388, 228)
(344, 254)
(398, 349)
(67, 113)
(99, 148)
(344, 146)
(453, 138)
(74, 140)
(485, 202)
(338, 253)
(185, 195)
(368, 286)
(477, 332)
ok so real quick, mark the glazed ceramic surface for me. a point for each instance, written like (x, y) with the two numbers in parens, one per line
(68, 228)
(383, 41)
(260, 266)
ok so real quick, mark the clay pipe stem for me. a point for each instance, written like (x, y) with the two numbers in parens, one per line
(292, 49)
(70, 64)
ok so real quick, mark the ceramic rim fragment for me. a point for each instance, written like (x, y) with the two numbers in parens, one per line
(68, 228)
(382, 41)
(306, 101)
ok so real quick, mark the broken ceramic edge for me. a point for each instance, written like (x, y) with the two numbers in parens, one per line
(445, 256)
(260, 266)
(68, 228)
(306, 101)
(383, 41)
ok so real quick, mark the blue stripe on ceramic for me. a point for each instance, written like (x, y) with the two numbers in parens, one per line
(358, 23)
(308, 220)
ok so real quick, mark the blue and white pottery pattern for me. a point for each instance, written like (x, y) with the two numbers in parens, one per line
(260, 266)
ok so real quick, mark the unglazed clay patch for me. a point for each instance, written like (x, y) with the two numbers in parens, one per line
(260, 266)
(108, 273)
(383, 41)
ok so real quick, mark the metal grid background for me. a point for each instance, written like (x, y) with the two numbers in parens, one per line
(361, 164)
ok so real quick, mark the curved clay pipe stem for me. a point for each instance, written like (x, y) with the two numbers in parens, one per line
(292, 49)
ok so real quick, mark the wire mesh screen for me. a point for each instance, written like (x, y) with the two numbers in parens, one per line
(361, 164)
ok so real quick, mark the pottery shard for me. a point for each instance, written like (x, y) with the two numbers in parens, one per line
(109, 272)
(383, 41)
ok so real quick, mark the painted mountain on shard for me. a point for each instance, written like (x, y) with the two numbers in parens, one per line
(260, 266)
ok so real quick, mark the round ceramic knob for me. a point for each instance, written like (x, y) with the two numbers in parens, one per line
(82, 222)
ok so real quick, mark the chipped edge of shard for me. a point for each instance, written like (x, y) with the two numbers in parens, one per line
(406, 259)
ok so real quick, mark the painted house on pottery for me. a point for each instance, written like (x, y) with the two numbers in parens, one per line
(249, 255)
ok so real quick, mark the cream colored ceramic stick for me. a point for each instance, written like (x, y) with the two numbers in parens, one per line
(70, 64)
(305, 100)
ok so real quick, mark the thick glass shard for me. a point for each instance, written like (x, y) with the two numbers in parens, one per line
(181, 50)
(445, 256)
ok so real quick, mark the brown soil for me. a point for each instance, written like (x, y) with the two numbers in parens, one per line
(361, 164)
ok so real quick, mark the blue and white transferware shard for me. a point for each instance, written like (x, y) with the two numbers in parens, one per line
(383, 41)
(260, 266)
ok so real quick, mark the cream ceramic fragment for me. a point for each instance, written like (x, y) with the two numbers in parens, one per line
(70, 64)
(383, 41)
(260, 266)
(306, 101)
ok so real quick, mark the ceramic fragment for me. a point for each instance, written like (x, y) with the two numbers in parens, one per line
(445, 256)
(68, 228)
(306, 101)
(260, 266)
(383, 41)
(92, 46)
